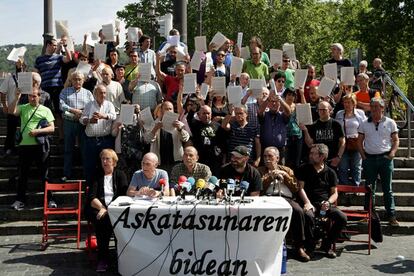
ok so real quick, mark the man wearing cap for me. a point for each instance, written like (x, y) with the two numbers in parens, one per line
(378, 143)
(239, 170)
(337, 51)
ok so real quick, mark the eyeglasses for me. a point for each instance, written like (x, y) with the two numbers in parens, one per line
(220, 55)
(323, 109)
(133, 55)
(255, 54)
(281, 81)
(286, 60)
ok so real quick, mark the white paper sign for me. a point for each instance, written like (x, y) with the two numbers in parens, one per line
(219, 39)
(99, 51)
(90, 41)
(219, 85)
(146, 117)
(16, 53)
(239, 40)
(303, 114)
(70, 47)
(236, 66)
(330, 70)
(108, 31)
(234, 95)
(272, 85)
(347, 75)
(83, 68)
(245, 52)
(200, 43)
(289, 49)
(209, 62)
(133, 34)
(190, 83)
(167, 121)
(173, 40)
(61, 28)
(204, 90)
(196, 61)
(144, 70)
(94, 35)
(127, 114)
(325, 87)
(117, 25)
(300, 78)
(256, 86)
(276, 56)
(25, 82)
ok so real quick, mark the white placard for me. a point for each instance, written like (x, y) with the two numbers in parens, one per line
(219, 85)
(219, 39)
(234, 95)
(276, 56)
(83, 68)
(245, 52)
(108, 31)
(144, 70)
(209, 62)
(146, 117)
(61, 28)
(16, 53)
(272, 85)
(173, 40)
(304, 114)
(127, 114)
(90, 41)
(300, 78)
(25, 82)
(347, 75)
(167, 121)
(133, 34)
(196, 61)
(204, 90)
(99, 52)
(69, 45)
(117, 25)
(200, 43)
(190, 83)
(325, 87)
(256, 86)
(236, 66)
(330, 70)
(95, 35)
(239, 40)
(289, 50)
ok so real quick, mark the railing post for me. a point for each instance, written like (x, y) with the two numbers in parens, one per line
(409, 131)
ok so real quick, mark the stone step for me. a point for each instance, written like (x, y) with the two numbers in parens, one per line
(54, 172)
(35, 227)
(33, 185)
(36, 198)
(403, 173)
(403, 162)
(401, 199)
(54, 159)
(403, 213)
(30, 212)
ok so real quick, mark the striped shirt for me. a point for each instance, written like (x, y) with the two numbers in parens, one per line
(242, 136)
(102, 127)
(147, 94)
(49, 67)
(70, 98)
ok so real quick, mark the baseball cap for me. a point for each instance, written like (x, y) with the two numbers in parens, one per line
(241, 151)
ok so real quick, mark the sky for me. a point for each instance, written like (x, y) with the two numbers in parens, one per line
(22, 20)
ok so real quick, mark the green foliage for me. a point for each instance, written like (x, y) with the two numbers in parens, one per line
(33, 51)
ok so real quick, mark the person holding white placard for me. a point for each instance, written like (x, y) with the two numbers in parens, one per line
(145, 54)
(168, 65)
(113, 60)
(337, 52)
(255, 41)
(114, 90)
(64, 46)
(284, 68)
(254, 66)
(110, 44)
(251, 102)
(146, 94)
(131, 69)
(221, 70)
(310, 81)
(280, 80)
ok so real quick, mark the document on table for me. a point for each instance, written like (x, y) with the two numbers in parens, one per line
(347, 75)
(234, 95)
(276, 56)
(167, 121)
(146, 117)
(25, 82)
(190, 83)
(99, 51)
(330, 70)
(127, 114)
(236, 66)
(200, 43)
(325, 87)
(219, 86)
(300, 78)
(144, 70)
(303, 114)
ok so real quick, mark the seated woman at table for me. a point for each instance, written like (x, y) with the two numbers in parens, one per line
(108, 185)
(149, 181)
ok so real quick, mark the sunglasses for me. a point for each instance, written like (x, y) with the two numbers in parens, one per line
(280, 81)
(286, 60)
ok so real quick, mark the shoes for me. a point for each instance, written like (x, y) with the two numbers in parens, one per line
(302, 256)
(102, 266)
(393, 222)
(52, 204)
(17, 205)
(330, 253)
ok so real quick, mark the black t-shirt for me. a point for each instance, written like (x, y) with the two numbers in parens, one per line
(317, 185)
(250, 175)
(341, 63)
(327, 133)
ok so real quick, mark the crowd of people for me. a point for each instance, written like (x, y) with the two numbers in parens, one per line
(257, 140)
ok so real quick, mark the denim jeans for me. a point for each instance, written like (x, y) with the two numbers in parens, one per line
(72, 129)
(380, 165)
(350, 164)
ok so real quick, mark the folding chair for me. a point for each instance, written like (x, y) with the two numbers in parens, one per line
(74, 209)
(357, 213)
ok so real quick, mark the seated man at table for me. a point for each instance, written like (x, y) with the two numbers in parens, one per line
(190, 167)
(239, 170)
(317, 190)
(149, 181)
(280, 180)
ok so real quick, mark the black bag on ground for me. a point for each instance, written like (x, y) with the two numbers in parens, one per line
(376, 231)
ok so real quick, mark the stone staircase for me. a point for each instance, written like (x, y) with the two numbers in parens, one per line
(28, 221)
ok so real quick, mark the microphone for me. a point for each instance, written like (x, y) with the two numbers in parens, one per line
(200, 185)
(182, 179)
(191, 180)
(231, 186)
(211, 186)
(244, 186)
(162, 182)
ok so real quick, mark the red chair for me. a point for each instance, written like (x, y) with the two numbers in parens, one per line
(51, 231)
(359, 214)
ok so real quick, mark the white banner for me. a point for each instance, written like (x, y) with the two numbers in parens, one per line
(158, 238)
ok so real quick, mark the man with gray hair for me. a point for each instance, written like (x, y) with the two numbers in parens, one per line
(337, 52)
(317, 190)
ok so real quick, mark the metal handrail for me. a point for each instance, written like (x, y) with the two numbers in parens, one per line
(410, 108)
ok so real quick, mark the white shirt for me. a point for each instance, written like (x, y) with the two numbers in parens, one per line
(108, 189)
(8, 87)
(115, 94)
(103, 126)
(378, 138)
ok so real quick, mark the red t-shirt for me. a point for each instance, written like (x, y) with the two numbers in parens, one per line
(172, 84)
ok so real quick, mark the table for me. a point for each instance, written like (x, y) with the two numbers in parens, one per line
(159, 238)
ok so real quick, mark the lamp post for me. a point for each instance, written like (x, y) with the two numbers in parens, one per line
(180, 18)
(47, 22)
(153, 18)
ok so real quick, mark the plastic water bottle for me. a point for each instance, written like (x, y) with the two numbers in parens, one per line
(284, 259)
(322, 213)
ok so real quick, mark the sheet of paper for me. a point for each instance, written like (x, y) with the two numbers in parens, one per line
(99, 51)
(127, 114)
(146, 117)
(272, 85)
(200, 43)
(108, 31)
(245, 52)
(117, 25)
(70, 46)
(196, 61)
(236, 66)
(89, 40)
(276, 56)
(173, 40)
(347, 75)
(256, 86)
(167, 121)
(61, 28)
(330, 70)
(16, 53)
(204, 90)
(234, 95)
(239, 40)
(144, 70)
(25, 82)
(219, 86)
(209, 62)
(289, 49)
(190, 83)
(325, 87)
(83, 68)
(300, 78)
(219, 39)
(95, 35)
(303, 114)
(133, 34)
